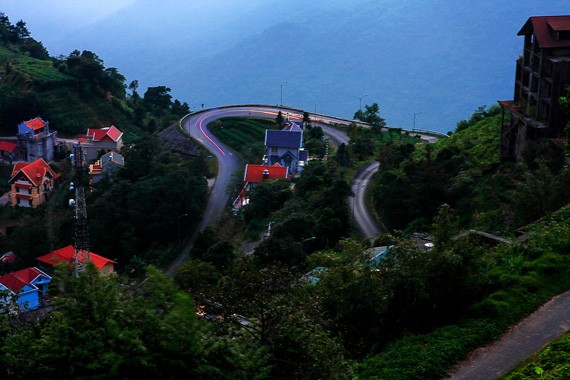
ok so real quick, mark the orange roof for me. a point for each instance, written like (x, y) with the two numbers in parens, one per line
(255, 173)
(34, 171)
(108, 133)
(67, 254)
(36, 123)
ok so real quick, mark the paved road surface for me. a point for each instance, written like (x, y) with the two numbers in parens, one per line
(362, 218)
(195, 124)
(521, 341)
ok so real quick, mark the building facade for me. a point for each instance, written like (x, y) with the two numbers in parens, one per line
(31, 183)
(285, 147)
(102, 140)
(105, 166)
(26, 288)
(35, 140)
(542, 74)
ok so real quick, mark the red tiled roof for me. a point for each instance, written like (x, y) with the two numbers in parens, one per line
(540, 26)
(7, 146)
(29, 274)
(15, 281)
(35, 171)
(254, 173)
(67, 254)
(12, 282)
(108, 133)
(36, 123)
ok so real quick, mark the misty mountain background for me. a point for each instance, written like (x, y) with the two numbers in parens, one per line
(439, 58)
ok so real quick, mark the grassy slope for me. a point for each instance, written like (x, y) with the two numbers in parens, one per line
(62, 99)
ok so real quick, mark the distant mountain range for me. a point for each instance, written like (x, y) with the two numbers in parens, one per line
(440, 58)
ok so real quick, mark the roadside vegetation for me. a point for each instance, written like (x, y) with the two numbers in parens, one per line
(413, 315)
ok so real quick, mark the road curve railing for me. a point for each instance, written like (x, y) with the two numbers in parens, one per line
(297, 113)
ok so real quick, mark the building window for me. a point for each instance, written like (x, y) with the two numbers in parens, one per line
(274, 150)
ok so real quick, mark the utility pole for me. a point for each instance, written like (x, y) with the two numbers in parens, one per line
(415, 114)
(82, 255)
(360, 101)
(281, 84)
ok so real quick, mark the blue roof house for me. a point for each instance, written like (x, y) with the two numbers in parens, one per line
(285, 147)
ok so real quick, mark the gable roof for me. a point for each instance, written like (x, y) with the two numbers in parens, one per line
(7, 146)
(283, 139)
(108, 133)
(112, 157)
(12, 282)
(544, 26)
(254, 173)
(67, 254)
(292, 126)
(16, 281)
(36, 123)
(34, 171)
(29, 275)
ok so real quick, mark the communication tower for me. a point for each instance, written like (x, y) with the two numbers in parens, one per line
(81, 242)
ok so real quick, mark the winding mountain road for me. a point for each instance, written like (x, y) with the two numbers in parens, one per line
(196, 125)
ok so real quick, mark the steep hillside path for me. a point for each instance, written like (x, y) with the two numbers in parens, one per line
(547, 323)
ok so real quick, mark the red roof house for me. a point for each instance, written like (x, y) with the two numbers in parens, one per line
(257, 174)
(102, 140)
(109, 133)
(67, 254)
(260, 173)
(31, 183)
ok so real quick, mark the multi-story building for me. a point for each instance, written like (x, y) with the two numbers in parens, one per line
(35, 140)
(31, 183)
(285, 147)
(542, 74)
(103, 140)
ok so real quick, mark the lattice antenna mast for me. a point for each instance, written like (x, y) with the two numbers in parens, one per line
(82, 255)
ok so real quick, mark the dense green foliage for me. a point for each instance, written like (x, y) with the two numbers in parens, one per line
(550, 363)
(315, 217)
(147, 204)
(245, 135)
(100, 330)
(463, 171)
(73, 92)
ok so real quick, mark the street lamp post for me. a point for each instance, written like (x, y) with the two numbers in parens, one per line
(415, 114)
(360, 101)
(281, 85)
(179, 218)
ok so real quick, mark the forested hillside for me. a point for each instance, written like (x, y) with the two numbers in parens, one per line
(464, 171)
(307, 302)
(73, 92)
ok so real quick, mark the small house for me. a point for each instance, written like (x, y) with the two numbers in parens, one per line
(108, 139)
(28, 287)
(106, 165)
(104, 265)
(284, 147)
(257, 174)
